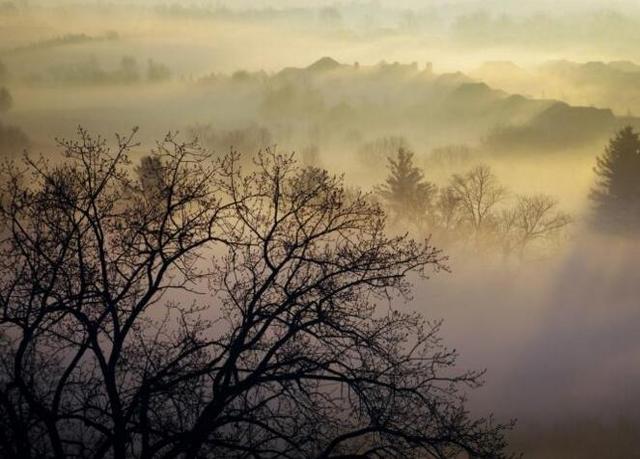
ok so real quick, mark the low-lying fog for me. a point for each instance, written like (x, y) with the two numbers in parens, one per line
(558, 338)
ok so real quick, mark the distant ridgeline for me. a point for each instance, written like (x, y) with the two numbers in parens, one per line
(612, 84)
(64, 40)
(558, 126)
(411, 97)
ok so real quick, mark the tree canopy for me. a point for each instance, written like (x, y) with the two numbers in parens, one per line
(616, 196)
(189, 309)
(6, 100)
(407, 193)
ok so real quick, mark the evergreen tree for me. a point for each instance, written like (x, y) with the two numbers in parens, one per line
(3, 71)
(405, 191)
(616, 195)
(150, 173)
(6, 101)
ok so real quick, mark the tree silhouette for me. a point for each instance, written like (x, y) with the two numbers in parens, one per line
(249, 139)
(151, 175)
(475, 208)
(372, 154)
(616, 195)
(157, 71)
(478, 193)
(4, 73)
(405, 191)
(534, 218)
(6, 101)
(120, 338)
(13, 140)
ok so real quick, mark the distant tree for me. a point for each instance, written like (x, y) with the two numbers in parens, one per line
(240, 76)
(13, 140)
(90, 71)
(129, 72)
(405, 191)
(157, 72)
(248, 139)
(616, 194)
(292, 100)
(532, 219)
(107, 350)
(478, 193)
(373, 153)
(4, 73)
(151, 175)
(86, 71)
(311, 155)
(8, 7)
(450, 156)
(448, 209)
(6, 101)
(476, 209)
(246, 77)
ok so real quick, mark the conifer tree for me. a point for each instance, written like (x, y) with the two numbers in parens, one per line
(6, 101)
(616, 195)
(406, 191)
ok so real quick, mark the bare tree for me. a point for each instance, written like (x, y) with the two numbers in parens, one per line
(107, 350)
(373, 153)
(478, 193)
(450, 156)
(475, 206)
(250, 138)
(448, 205)
(532, 219)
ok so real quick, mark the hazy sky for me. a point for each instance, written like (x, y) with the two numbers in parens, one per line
(497, 6)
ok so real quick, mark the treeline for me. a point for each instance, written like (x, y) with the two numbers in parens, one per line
(92, 72)
(473, 209)
(63, 40)
(252, 138)
(558, 127)
(346, 101)
(249, 139)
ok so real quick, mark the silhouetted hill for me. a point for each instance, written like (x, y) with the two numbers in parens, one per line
(324, 64)
(614, 85)
(396, 98)
(558, 126)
